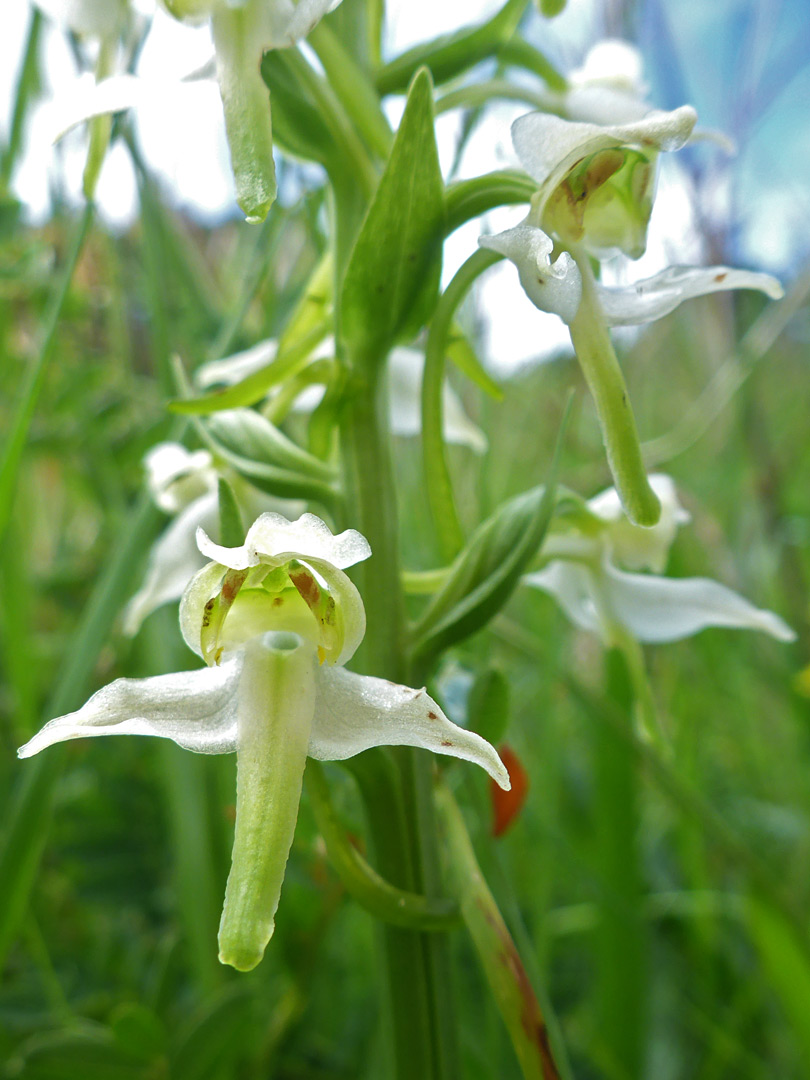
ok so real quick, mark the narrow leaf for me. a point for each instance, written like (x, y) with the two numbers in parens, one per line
(392, 279)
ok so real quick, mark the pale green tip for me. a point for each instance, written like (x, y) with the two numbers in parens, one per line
(241, 954)
(642, 506)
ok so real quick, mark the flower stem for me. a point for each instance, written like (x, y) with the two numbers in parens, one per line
(401, 830)
(600, 367)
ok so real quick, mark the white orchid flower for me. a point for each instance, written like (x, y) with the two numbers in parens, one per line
(596, 181)
(243, 30)
(556, 286)
(275, 619)
(405, 368)
(583, 574)
(184, 483)
(88, 18)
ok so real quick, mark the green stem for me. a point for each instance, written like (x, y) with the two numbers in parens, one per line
(24, 412)
(621, 939)
(373, 892)
(26, 89)
(468, 199)
(592, 344)
(507, 978)
(352, 87)
(438, 484)
(423, 1035)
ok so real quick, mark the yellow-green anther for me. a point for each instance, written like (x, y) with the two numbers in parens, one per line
(215, 612)
(246, 102)
(275, 710)
(600, 367)
(605, 200)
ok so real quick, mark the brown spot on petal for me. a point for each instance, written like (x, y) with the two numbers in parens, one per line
(278, 601)
(432, 716)
(720, 277)
(446, 742)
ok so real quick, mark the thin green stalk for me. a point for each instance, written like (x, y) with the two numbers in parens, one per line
(620, 937)
(32, 387)
(354, 156)
(373, 892)
(478, 94)
(420, 1004)
(594, 349)
(468, 199)
(438, 485)
(507, 978)
(27, 86)
(518, 52)
(353, 89)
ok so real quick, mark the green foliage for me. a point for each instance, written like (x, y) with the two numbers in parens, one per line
(392, 279)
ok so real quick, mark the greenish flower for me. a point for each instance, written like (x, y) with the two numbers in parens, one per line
(275, 620)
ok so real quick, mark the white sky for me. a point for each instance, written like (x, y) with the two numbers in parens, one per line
(182, 138)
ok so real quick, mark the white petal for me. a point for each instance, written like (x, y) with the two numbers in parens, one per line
(173, 561)
(657, 296)
(85, 98)
(554, 287)
(98, 18)
(356, 712)
(405, 370)
(205, 584)
(571, 586)
(548, 146)
(612, 63)
(176, 476)
(233, 369)
(603, 105)
(658, 609)
(196, 709)
(307, 14)
(634, 546)
(275, 540)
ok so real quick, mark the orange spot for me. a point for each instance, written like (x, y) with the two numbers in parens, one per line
(506, 805)
(720, 277)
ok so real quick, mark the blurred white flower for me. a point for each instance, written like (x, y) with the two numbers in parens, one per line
(583, 574)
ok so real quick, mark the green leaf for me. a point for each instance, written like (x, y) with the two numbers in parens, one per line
(231, 528)
(787, 964)
(487, 571)
(392, 278)
(287, 363)
(451, 54)
(461, 353)
(249, 434)
(299, 125)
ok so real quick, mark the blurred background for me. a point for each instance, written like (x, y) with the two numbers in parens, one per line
(110, 970)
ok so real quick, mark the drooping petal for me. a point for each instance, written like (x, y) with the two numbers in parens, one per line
(275, 706)
(571, 585)
(657, 609)
(554, 287)
(548, 146)
(205, 585)
(173, 561)
(196, 709)
(654, 297)
(633, 546)
(355, 712)
(274, 540)
(84, 98)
